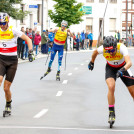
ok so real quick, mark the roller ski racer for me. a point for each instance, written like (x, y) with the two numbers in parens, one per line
(8, 56)
(58, 46)
(118, 65)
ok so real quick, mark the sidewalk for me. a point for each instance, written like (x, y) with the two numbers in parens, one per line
(40, 55)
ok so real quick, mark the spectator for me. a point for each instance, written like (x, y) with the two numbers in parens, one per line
(44, 40)
(118, 34)
(83, 39)
(26, 46)
(86, 40)
(90, 37)
(78, 39)
(20, 45)
(37, 40)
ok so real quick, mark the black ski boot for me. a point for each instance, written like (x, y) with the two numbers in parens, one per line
(48, 71)
(7, 111)
(58, 76)
(111, 118)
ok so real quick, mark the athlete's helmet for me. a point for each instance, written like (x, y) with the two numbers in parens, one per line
(64, 22)
(4, 17)
(109, 43)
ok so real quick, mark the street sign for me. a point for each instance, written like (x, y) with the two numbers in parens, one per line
(33, 6)
(86, 9)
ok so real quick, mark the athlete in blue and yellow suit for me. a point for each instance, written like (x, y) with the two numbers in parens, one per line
(59, 42)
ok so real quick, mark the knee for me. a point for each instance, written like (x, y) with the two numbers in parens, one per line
(6, 89)
(111, 88)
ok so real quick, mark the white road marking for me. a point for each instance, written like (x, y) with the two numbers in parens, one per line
(76, 68)
(59, 93)
(69, 74)
(61, 128)
(82, 64)
(41, 113)
(65, 82)
(87, 60)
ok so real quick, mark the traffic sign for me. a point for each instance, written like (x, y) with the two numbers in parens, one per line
(33, 6)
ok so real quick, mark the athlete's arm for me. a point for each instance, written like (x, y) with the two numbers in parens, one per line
(128, 62)
(28, 40)
(124, 51)
(94, 55)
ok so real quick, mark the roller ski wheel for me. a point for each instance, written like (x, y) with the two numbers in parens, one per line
(58, 76)
(48, 71)
(7, 112)
(111, 118)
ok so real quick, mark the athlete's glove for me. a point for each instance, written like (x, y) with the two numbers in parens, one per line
(91, 66)
(120, 72)
(31, 55)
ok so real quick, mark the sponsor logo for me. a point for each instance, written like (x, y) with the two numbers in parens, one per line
(4, 35)
(116, 56)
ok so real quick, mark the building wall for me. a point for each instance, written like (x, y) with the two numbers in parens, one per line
(90, 23)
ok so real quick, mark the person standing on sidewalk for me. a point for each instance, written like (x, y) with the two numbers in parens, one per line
(90, 37)
(37, 40)
(8, 56)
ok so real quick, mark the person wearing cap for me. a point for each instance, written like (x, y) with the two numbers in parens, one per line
(44, 40)
(118, 65)
(8, 55)
(58, 45)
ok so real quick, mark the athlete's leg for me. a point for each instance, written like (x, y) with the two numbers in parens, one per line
(1, 79)
(60, 56)
(111, 89)
(131, 90)
(53, 53)
(7, 86)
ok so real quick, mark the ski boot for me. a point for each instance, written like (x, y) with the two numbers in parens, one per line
(48, 71)
(7, 111)
(58, 76)
(111, 118)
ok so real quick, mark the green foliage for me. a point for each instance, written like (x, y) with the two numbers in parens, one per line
(7, 6)
(66, 10)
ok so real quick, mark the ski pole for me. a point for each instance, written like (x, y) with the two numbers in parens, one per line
(47, 58)
(128, 77)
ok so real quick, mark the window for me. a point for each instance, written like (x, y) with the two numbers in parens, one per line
(113, 1)
(90, 1)
(101, 1)
(112, 24)
(22, 8)
(89, 24)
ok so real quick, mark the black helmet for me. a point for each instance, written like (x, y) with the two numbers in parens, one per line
(109, 43)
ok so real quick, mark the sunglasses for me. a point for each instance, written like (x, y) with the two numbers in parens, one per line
(111, 51)
(3, 23)
(64, 26)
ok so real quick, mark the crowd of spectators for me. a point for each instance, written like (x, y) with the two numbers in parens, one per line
(45, 40)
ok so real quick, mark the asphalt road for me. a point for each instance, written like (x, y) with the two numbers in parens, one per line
(75, 105)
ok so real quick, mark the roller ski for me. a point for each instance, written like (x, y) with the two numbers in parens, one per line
(7, 111)
(58, 76)
(48, 71)
(111, 118)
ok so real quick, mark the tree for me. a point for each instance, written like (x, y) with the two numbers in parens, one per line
(8, 7)
(66, 10)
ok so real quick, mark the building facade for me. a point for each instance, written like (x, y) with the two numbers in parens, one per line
(93, 18)
(129, 15)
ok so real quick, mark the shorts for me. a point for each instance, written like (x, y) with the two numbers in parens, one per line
(111, 73)
(8, 67)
